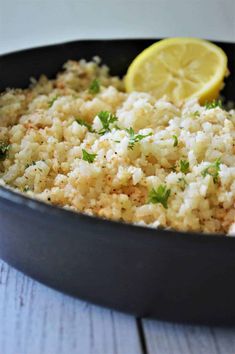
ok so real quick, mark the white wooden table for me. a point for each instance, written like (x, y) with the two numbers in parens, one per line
(35, 319)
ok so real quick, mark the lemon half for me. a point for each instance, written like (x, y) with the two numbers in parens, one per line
(180, 68)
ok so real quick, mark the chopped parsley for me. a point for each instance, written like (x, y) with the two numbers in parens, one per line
(134, 138)
(52, 100)
(85, 124)
(182, 182)
(26, 189)
(94, 87)
(213, 104)
(160, 195)
(106, 119)
(184, 166)
(175, 140)
(4, 147)
(213, 170)
(88, 157)
(196, 114)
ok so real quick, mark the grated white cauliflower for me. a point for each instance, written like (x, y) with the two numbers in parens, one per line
(47, 142)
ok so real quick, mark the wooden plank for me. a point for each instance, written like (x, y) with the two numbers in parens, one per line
(36, 319)
(167, 338)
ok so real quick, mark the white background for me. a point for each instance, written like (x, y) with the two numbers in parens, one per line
(26, 23)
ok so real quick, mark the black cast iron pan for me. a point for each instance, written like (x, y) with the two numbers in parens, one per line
(164, 274)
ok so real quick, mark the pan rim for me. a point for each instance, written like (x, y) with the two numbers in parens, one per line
(32, 204)
(18, 199)
(64, 43)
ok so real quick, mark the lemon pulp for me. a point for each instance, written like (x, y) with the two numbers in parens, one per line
(179, 68)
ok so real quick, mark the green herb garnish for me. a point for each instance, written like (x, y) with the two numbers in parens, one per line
(26, 189)
(175, 140)
(94, 87)
(184, 166)
(134, 138)
(213, 104)
(50, 103)
(196, 114)
(85, 124)
(88, 157)
(213, 170)
(4, 147)
(106, 119)
(160, 195)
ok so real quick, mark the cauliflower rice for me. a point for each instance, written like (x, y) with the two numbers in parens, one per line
(188, 151)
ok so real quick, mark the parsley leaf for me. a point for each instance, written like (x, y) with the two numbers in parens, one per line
(184, 166)
(213, 104)
(175, 140)
(94, 87)
(213, 170)
(196, 114)
(52, 100)
(134, 138)
(88, 157)
(160, 195)
(106, 119)
(85, 124)
(4, 147)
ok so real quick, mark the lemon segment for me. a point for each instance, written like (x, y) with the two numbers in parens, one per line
(180, 68)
